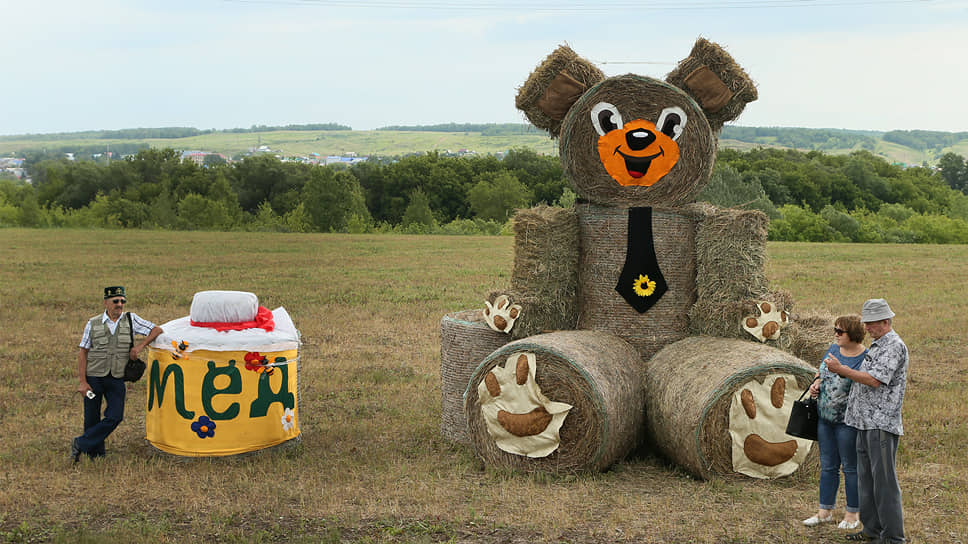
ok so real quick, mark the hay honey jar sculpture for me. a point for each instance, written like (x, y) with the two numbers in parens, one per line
(660, 309)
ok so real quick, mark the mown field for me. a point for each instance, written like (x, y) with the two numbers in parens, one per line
(326, 142)
(372, 465)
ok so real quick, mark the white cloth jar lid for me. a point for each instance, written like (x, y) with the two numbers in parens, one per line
(224, 307)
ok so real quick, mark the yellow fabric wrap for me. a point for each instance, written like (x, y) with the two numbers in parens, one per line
(207, 403)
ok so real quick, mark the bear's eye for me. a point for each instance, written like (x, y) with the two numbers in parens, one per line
(606, 118)
(671, 122)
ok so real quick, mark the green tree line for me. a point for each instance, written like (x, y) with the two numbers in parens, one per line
(165, 133)
(303, 127)
(823, 139)
(155, 189)
(486, 129)
(814, 197)
(809, 196)
(923, 140)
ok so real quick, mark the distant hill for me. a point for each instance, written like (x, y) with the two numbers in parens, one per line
(912, 147)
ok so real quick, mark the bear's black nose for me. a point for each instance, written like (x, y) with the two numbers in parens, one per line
(639, 139)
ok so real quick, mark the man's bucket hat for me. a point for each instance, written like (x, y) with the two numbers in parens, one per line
(875, 309)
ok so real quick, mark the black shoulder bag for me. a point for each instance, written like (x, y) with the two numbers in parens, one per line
(134, 368)
(803, 418)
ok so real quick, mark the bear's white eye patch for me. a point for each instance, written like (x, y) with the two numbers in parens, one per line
(671, 121)
(606, 118)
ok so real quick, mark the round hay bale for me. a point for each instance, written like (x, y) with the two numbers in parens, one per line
(597, 374)
(604, 235)
(643, 98)
(544, 280)
(465, 340)
(690, 408)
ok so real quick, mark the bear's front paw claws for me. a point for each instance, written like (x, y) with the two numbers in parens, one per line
(501, 315)
(767, 325)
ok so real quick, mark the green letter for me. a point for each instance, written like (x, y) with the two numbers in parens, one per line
(260, 406)
(157, 385)
(209, 391)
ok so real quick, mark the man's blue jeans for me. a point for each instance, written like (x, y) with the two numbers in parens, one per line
(838, 447)
(96, 428)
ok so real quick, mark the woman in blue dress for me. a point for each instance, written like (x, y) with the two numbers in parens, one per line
(835, 438)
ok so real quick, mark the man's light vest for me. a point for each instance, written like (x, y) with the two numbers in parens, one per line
(109, 352)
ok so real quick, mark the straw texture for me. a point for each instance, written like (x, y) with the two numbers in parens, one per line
(810, 335)
(544, 280)
(690, 385)
(604, 235)
(465, 340)
(644, 98)
(712, 56)
(598, 374)
(730, 278)
(731, 247)
(535, 88)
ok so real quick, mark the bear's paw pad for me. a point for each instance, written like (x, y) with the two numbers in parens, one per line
(766, 325)
(501, 315)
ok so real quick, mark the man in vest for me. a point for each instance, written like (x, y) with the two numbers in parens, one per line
(106, 346)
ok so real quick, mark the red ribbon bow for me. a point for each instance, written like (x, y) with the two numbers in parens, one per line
(263, 320)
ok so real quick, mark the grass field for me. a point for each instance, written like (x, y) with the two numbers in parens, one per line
(372, 465)
(302, 143)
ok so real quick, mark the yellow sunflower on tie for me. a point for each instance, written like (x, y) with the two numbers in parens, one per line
(643, 286)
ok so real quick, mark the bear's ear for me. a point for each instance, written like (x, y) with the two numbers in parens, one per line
(715, 81)
(554, 86)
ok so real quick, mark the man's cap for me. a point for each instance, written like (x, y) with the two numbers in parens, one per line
(875, 309)
(116, 291)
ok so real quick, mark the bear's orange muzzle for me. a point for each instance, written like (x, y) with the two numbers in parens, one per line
(638, 154)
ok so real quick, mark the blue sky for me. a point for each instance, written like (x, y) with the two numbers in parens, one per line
(110, 64)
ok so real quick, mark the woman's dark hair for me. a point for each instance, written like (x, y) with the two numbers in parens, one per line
(853, 326)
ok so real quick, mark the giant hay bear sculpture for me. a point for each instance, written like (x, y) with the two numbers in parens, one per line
(639, 313)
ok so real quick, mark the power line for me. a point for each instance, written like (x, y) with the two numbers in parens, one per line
(603, 62)
(579, 6)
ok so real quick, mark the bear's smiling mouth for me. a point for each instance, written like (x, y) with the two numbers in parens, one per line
(638, 166)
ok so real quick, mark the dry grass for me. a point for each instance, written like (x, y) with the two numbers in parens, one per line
(372, 466)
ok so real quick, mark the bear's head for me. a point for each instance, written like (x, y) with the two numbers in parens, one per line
(632, 140)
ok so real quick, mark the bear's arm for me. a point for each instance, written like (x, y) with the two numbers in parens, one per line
(544, 280)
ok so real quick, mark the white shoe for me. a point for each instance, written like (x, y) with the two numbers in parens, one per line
(813, 521)
(848, 524)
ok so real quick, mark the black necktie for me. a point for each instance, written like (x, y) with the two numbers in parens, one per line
(641, 283)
